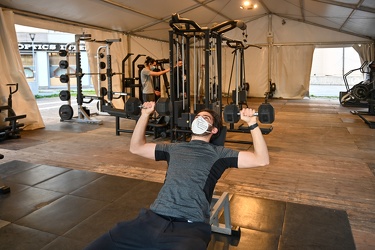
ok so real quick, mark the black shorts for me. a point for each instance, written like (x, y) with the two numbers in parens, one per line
(151, 231)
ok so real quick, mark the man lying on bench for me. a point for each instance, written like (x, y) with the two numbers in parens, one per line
(179, 218)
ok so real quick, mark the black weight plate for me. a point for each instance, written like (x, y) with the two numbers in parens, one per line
(64, 95)
(63, 64)
(66, 112)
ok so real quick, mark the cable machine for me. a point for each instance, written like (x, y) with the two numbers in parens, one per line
(204, 70)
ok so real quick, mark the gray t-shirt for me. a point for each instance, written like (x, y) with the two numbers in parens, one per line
(193, 171)
(147, 84)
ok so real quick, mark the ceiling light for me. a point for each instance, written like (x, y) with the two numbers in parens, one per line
(247, 5)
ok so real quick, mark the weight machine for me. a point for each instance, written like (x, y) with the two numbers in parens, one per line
(239, 94)
(187, 35)
(362, 94)
(12, 130)
(358, 95)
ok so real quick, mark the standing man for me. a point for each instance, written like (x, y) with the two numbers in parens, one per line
(179, 217)
(148, 90)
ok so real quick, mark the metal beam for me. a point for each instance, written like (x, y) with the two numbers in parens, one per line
(357, 6)
(326, 27)
(167, 18)
(302, 7)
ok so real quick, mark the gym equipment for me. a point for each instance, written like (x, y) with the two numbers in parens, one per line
(66, 112)
(163, 106)
(133, 106)
(64, 78)
(361, 94)
(64, 95)
(271, 90)
(220, 205)
(266, 113)
(364, 92)
(357, 95)
(12, 130)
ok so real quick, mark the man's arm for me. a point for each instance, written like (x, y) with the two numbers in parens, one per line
(259, 157)
(138, 144)
(159, 73)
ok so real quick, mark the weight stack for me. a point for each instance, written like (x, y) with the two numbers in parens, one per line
(242, 96)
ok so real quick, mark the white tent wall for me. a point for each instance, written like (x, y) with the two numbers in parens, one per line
(366, 52)
(11, 71)
(256, 71)
(292, 45)
(291, 68)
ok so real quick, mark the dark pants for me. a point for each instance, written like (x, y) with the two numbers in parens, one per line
(150, 231)
(149, 97)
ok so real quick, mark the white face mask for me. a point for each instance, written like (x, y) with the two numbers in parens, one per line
(200, 126)
(153, 67)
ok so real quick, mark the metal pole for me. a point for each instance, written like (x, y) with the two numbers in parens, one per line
(32, 37)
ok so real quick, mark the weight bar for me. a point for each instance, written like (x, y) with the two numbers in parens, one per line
(266, 113)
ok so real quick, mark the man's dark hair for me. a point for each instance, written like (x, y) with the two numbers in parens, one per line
(149, 60)
(217, 121)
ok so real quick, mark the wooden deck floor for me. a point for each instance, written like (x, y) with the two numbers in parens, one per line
(321, 155)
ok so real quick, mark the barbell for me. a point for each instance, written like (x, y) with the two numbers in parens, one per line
(266, 113)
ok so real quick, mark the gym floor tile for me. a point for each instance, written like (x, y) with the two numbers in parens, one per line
(61, 243)
(141, 195)
(258, 214)
(18, 237)
(69, 181)
(14, 187)
(3, 223)
(18, 204)
(12, 167)
(106, 188)
(127, 207)
(62, 214)
(69, 209)
(36, 175)
(71, 127)
(249, 240)
(311, 227)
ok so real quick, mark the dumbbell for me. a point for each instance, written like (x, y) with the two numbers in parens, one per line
(266, 113)
(133, 106)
